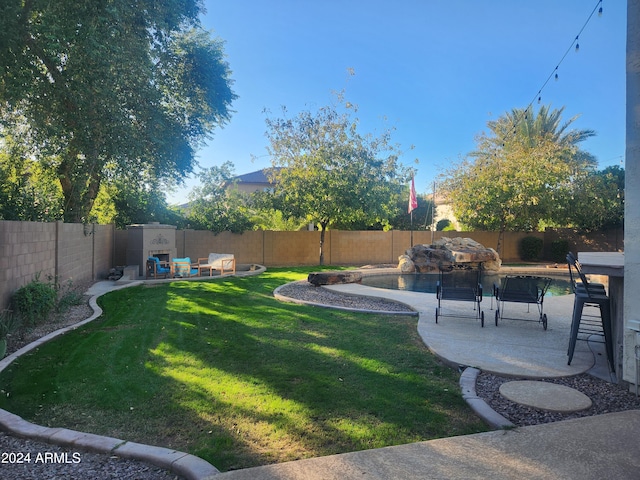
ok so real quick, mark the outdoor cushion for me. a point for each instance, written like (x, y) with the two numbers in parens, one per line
(221, 261)
(182, 267)
(159, 268)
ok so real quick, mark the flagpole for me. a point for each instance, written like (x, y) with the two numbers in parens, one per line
(411, 228)
(413, 204)
(433, 211)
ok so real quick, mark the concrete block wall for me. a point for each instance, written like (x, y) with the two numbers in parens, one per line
(341, 247)
(361, 247)
(120, 247)
(27, 249)
(76, 252)
(609, 241)
(103, 250)
(284, 248)
(75, 249)
(246, 247)
(85, 253)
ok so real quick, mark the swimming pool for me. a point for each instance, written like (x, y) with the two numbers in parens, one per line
(426, 282)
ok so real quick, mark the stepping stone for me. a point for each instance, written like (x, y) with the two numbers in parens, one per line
(545, 396)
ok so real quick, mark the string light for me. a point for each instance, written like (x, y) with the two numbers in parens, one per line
(554, 73)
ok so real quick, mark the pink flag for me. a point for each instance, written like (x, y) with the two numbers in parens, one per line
(413, 199)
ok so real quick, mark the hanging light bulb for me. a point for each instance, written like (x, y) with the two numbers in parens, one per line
(600, 9)
(539, 100)
(577, 45)
(556, 73)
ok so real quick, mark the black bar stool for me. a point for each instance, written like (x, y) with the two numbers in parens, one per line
(589, 295)
(573, 263)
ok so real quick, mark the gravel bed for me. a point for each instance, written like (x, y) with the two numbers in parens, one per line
(305, 291)
(28, 460)
(606, 397)
(75, 314)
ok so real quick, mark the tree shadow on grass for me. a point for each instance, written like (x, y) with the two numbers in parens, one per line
(226, 372)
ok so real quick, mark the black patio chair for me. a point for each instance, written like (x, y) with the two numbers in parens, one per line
(588, 294)
(461, 285)
(521, 289)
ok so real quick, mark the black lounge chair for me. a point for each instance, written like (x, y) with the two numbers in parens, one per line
(463, 285)
(521, 289)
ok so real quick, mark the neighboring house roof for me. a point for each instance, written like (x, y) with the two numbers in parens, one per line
(252, 181)
(259, 176)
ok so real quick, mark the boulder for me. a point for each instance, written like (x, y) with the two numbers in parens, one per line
(405, 264)
(453, 252)
(332, 278)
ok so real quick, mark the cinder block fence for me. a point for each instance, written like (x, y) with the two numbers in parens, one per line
(86, 253)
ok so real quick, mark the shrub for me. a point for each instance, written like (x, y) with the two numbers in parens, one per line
(35, 301)
(531, 248)
(442, 224)
(559, 250)
(69, 296)
(8, 324)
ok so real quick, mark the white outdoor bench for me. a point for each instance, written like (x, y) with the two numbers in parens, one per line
(225, 262)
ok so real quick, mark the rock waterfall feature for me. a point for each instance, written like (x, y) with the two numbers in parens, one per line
(447, 253)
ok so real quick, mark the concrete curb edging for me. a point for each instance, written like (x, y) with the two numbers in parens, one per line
(478, 405)
(181, 463)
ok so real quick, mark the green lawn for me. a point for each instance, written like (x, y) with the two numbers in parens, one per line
(222, 370)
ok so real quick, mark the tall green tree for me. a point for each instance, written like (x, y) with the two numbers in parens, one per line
(332, 173)
(598, 200)
(133, 201)
(28, 190)
(216, 205)
(422, 216)
(134, 86)
(520, 177)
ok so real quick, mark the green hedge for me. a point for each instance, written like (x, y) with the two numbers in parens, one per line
(531, 249)
(559, 250)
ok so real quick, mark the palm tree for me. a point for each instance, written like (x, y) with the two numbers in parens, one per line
(521, 174)
(528, 129)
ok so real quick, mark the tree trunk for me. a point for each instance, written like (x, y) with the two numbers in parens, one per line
(500, 239)
(79, 191)
(323, 226)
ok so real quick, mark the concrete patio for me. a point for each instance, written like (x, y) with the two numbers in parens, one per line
(513, 348)
(596, 447)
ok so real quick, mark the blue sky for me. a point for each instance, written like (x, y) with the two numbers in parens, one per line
(434, 70)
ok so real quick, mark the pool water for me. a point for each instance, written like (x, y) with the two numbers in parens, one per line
(426, 282)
